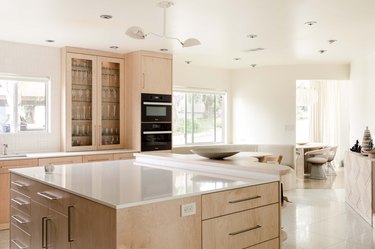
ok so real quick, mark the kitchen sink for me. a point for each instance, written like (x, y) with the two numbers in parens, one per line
(13, 155)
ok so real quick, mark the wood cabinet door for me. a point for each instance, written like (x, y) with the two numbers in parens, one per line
(39, 214)
(57, 230)
(4, 200)
(97, 158)
(156, 75)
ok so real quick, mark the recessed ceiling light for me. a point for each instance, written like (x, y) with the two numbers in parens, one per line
(114, 47)
(164, 49)
(322, 51)
(253, 65)
(252, 36)
(237, 59)
(254, 49)
(310, 23)
(332, 41)
(106, 16)
(50, 41)
(188, 62)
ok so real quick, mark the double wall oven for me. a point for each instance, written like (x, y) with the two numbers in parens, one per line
(156, 122)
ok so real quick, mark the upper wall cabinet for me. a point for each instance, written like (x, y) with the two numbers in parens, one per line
(150, 71)
(93, 100)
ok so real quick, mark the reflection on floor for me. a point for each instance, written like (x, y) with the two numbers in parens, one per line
(317, 218)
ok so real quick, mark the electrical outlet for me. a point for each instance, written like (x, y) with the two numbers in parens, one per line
(188, 209)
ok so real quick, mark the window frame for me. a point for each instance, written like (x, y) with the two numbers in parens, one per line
(192, 90)
(24, 78)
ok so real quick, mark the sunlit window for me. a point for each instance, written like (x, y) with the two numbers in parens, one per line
(198, 117)
(23, 104)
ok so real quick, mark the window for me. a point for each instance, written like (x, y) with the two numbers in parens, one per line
(23, 104)
(198, 117)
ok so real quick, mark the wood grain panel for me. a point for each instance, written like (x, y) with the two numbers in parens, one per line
(241, 230)
(60, 160)
(97, 158)
(230, 201)
(159, 226)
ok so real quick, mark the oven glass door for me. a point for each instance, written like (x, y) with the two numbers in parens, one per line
(154, 111)
(156, 140)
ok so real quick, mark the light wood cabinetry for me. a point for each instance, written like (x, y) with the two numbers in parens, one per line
(5, 186)
(97, 158)
(123, 156)
(60, 160)
(241, 218)
(93, 100)
(146, 72)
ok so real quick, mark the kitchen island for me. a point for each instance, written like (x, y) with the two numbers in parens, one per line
(123, 204)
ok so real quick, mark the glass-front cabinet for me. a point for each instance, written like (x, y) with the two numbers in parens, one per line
(94, 91)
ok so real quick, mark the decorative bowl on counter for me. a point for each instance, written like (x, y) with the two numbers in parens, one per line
(216, 154)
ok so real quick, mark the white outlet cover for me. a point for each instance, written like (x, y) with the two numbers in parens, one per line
(188, 209)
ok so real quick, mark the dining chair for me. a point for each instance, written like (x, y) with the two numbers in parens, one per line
(330, 169)
(317, 159)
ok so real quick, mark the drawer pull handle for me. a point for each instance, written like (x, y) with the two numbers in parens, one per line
(245, 199)
(19, 219)
(48, 196)
(18, 244)
(19, 202)
(245, 230)
(20, 185)
(70, 224)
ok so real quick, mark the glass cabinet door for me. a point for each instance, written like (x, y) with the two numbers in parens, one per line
(110, 76)
(82, 102)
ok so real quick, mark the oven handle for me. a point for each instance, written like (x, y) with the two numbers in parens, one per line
(158, 103)
(156, 132)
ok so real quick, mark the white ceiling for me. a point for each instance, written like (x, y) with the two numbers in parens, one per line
(222, 27)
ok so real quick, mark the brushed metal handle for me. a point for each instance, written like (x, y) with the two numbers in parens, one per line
(47, 196)
(245, 230)
(245, 199)
(70, 224)
(143, 80)
(20, 185)
(18, 244)
(43, 232)
(18, 202)
(19, 219)
(158, 103)
(47, 221)
(156, 132)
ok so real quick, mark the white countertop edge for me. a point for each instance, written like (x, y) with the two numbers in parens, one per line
(215, 168)
(67, 154)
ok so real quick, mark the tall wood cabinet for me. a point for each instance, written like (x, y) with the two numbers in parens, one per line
(146, 72)
(93, 100)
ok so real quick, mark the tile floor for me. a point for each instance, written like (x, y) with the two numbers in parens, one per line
(317, 218)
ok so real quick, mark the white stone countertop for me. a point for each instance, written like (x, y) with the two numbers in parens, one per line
(63, 154)
(124, 183)
(241, 164)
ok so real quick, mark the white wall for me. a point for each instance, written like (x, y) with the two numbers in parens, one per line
(30, 60)
(264, 105)
(188, 75)
(362, 97)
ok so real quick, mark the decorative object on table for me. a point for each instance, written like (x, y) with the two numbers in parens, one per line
(356, 147)
(370, 153)
(216, 154)
(366, 141)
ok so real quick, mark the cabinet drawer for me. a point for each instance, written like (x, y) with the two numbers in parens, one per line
(51, 197)
(226, 202)
(11, 164)
(20, 219)
(21, 184)
(97, 158)
(123, 156)
(20, 201)
(271, 244)
(60, 160)
(18, 238)
(243, 229)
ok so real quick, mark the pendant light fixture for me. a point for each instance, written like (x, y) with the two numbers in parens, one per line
(138, 33)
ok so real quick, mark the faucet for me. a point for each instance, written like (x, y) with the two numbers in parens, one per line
(5, 146)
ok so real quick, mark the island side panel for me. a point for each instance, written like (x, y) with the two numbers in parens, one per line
(93, 225)
(160, 225)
